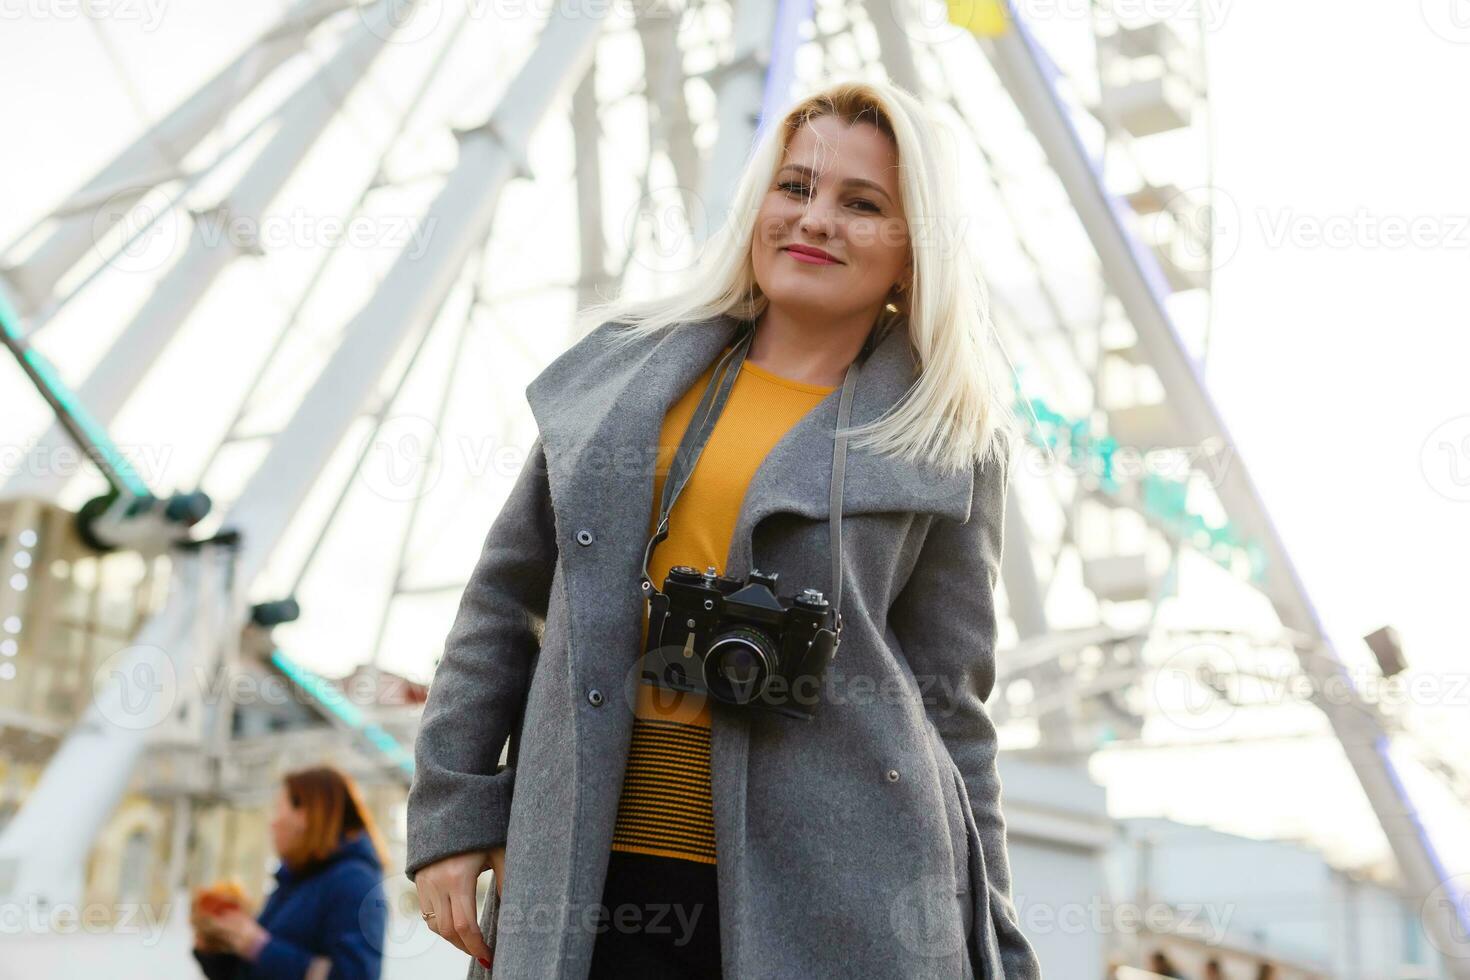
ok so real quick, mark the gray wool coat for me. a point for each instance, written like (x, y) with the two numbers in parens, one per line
(866, 842)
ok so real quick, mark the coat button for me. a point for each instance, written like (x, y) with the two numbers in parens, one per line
(893, 775)
(584, 536)
(595, 698)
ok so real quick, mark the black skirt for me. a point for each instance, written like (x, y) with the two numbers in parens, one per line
(660, 920)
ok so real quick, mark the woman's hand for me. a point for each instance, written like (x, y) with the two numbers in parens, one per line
(207, 938)
(202, 940)
(231, 930)
(497, 865)
(447, 888)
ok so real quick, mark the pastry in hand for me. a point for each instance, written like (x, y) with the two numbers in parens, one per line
(221, 896)
(213, 900)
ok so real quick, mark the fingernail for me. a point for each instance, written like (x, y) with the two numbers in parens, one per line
(484, 962)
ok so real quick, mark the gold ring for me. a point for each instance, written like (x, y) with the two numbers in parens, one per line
(429, 915)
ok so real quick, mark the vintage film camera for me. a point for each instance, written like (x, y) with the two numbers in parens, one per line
(735, 641)
(739, 642)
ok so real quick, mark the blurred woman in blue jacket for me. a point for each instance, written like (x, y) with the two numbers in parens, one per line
(328, 914)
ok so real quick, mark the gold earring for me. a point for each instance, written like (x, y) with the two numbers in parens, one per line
(897, 288)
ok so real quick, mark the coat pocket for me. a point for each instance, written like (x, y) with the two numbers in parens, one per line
(982, 940)
(489, 921)
(967, 924)
(952, 787)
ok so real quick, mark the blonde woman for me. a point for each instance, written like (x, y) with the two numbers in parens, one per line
(812, 419)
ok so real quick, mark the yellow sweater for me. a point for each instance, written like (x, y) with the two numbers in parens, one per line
(665, 808)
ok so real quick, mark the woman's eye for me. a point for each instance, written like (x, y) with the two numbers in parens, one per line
(802, 189)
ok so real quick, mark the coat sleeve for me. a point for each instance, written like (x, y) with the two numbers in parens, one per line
(460, 797)
(280, 959)
(945, 623)
(352, 934)
(218, 966)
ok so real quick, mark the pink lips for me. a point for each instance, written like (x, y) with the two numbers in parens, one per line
(811, 256)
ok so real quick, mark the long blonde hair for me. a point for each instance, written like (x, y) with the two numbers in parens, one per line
(954, 415)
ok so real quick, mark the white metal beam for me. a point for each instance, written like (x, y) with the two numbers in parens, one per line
(739, 91)
(154, 157)
(43, 849)
(659, 26)
(1134, 276)
(592, 274)
(895, 48)
(212, 246)
(1023, 589)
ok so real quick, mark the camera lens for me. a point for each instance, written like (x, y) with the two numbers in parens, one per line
(738, 664)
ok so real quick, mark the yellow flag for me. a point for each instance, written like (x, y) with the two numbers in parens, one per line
(985, 18)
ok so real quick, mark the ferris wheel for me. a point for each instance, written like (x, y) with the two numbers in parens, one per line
(440, 133)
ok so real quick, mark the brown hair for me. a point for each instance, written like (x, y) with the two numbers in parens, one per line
(334, 809)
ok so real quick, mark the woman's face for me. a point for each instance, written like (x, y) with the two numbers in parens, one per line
(288, 824)
(837, 192)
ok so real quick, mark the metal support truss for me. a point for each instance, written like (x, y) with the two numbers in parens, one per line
(44, 848)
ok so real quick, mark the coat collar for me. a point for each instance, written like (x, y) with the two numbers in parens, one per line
(600, 413)
(355, 847)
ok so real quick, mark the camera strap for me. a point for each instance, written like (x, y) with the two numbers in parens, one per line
(702, 423)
